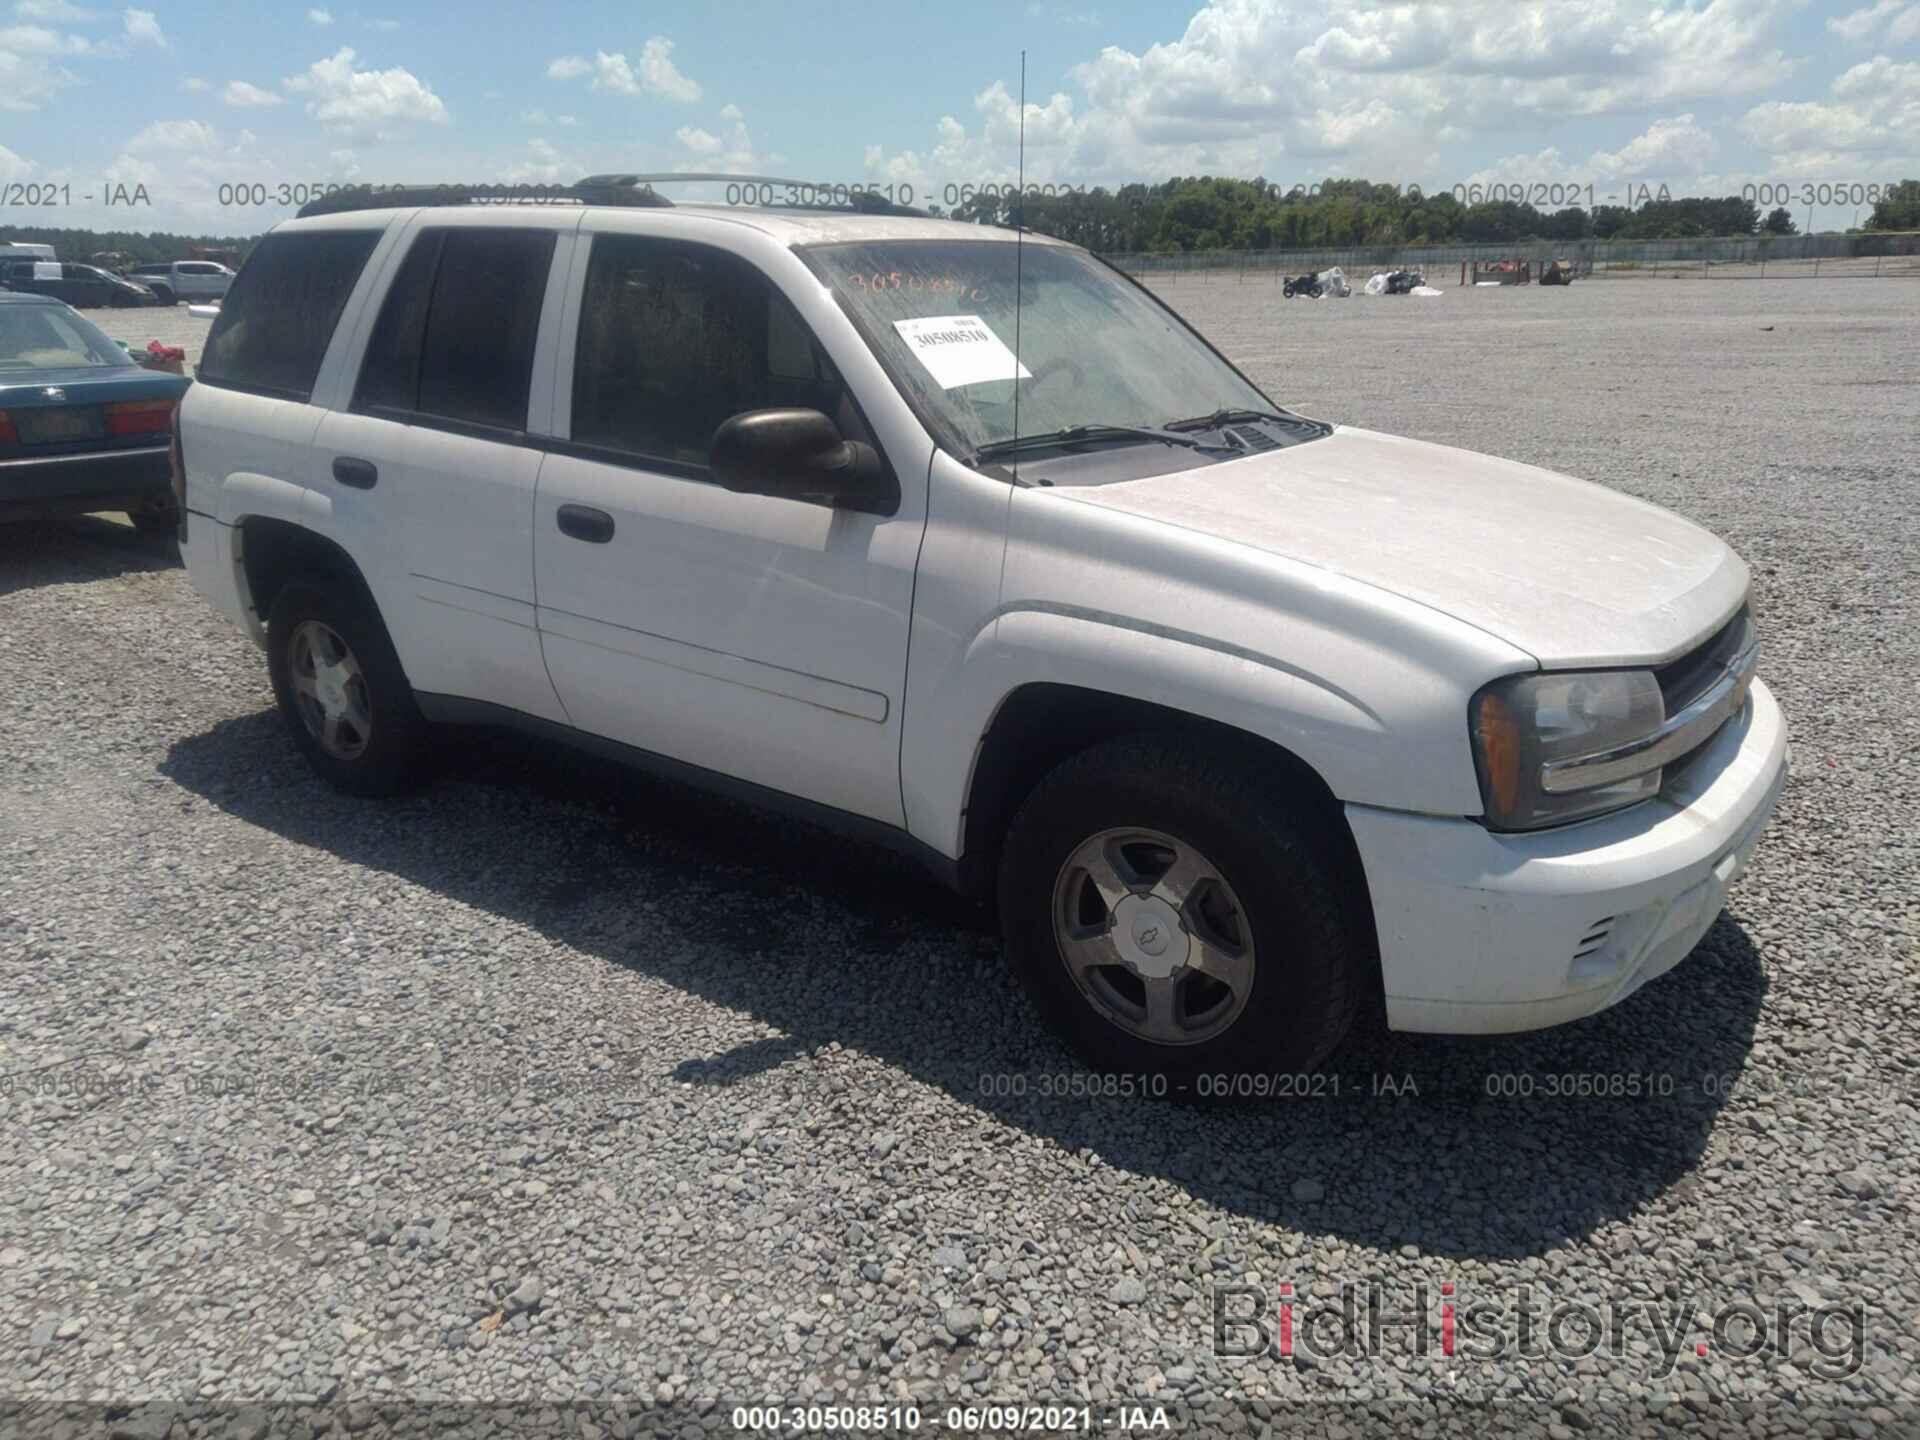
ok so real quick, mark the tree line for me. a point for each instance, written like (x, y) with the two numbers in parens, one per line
(135, 246)
(1213, 213)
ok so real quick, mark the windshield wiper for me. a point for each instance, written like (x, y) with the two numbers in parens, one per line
(1237, 416)
(1074, 434)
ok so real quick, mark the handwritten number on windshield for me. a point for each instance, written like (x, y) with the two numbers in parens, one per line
(894, 280)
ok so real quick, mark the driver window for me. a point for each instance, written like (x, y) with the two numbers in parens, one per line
(677, 338)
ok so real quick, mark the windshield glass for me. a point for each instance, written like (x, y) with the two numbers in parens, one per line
(49, 337)
(1094, 349)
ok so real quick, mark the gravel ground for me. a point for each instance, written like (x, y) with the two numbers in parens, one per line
(551, 1083)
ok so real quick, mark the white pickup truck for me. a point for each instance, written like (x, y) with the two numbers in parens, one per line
(1238, 717)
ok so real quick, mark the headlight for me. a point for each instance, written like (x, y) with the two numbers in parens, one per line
(1524, 724)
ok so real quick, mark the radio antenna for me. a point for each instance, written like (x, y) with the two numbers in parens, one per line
(1019, 231)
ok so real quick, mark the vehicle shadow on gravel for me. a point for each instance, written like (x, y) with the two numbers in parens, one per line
(1484, 1147)
(77, 549)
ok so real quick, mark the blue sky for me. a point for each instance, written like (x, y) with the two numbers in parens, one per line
(191, 101)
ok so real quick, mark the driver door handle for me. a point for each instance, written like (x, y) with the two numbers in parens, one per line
(583, 522)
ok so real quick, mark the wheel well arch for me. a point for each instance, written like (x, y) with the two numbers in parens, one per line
(1039, 725)
(272, 552)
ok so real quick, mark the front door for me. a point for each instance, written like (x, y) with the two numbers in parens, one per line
(761, 637)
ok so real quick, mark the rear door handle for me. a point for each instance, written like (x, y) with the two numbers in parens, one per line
(359, 474)
(583, 522)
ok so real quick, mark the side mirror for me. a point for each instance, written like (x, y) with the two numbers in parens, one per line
(799, 454)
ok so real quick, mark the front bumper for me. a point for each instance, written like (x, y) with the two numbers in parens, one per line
(1482, 932)
(98, 480)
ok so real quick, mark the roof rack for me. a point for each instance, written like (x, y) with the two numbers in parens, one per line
(612, 189)
(407, 197)
(829, 197)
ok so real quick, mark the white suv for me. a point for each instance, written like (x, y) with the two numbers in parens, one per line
(1239, 717)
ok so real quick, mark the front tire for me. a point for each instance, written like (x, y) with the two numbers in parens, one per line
(341, 690)
(1177, 908)
(162, 295)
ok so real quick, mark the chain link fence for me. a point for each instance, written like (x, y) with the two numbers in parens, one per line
(1865, 255)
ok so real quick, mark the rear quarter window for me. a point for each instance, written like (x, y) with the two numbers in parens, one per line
(280, 312)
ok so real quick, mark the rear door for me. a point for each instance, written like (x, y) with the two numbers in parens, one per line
(758, 636)
(437, 430)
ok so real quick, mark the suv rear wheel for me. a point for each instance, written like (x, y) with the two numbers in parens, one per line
(341, 689)
(1170, 917)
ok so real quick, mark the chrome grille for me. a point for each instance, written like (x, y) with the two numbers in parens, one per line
(1685, 680)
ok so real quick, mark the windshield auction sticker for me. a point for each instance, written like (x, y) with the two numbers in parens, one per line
(960, 350)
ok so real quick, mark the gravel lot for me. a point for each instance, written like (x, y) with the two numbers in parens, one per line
(551, 1083)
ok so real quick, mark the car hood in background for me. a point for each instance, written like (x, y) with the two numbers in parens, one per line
(1571, 572)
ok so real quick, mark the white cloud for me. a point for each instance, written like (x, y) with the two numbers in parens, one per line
(365, 102)
(1667, 148)
(1873, 116)
(193, 84)
(14, 167)
(731, 151)
(63, 10)
(143, 27)
(1673, 152)
(383, 24)
(1898, 21)
(543, 164)
(541, 117)
(346, 164)
(1297, 90)
(320, 17)
(241, 95)
(185, 162)
(28, 81)
(655, 74)
(38, 40)
(173, 135)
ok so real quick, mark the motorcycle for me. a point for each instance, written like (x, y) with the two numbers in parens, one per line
(1302, 285)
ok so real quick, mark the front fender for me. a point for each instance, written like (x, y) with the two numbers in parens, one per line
(1368, 689)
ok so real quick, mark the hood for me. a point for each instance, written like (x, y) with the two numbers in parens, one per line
(1575, 574)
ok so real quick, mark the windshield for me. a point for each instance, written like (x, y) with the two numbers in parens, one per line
(1094, 348)
(52, 337)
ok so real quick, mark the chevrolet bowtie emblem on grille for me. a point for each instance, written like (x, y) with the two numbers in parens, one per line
(53, 392)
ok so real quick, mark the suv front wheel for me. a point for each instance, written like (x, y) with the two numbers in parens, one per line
(1173, 914)
(341, 689)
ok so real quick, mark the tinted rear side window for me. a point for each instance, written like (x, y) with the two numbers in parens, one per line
(477, 357)
(280, 311)
(454, 341)
(390, 374)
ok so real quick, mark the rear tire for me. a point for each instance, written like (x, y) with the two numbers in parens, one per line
(1147, 839)
(341, 690)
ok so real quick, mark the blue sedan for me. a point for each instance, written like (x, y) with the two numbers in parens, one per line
(82, 426)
